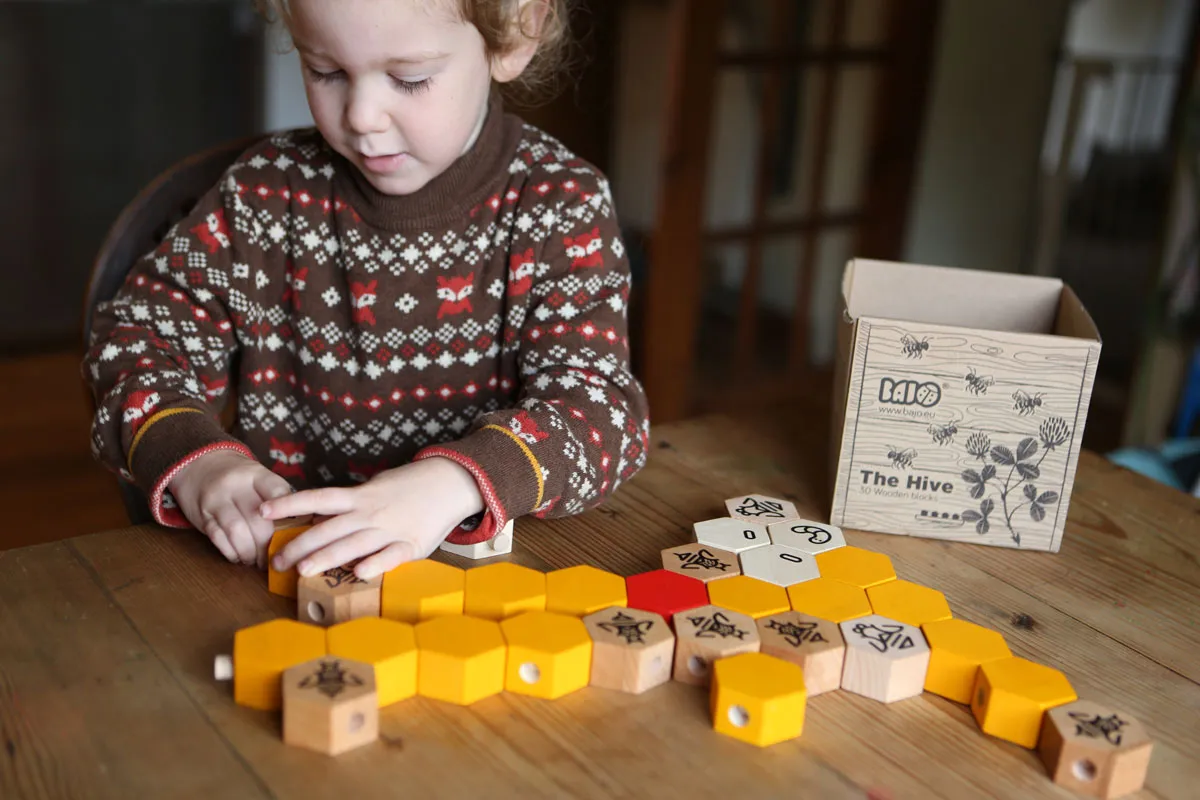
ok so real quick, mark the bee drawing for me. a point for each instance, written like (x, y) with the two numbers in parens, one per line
(912, 347)
(1025, 403)
(943, 434)
(902, 459)
(978, 384)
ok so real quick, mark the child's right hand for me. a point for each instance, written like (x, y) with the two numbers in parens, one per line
(220, 493)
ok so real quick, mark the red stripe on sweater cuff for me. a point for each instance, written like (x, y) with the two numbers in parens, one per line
(494, 519)
(172, 517)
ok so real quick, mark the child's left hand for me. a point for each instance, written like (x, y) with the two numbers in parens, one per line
(399, 515)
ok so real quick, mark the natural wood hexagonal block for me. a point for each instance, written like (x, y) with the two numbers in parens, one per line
(908, 602)
(760, 508)
(461, 659)
(329, 705)
(855, 566)
(387, 646)
(816, 645)
(1094, 750)
(700, 561)
(499, 545)
(956, 649)
(419, 590)
(337, 595)
(499, 591)
(260, 655)
(748, 596)
(549, 655)
(664, 592)
(632, 649)
(758, 699)
(1011, 695)
(779, 564)
(284, 583)
(731, 535)
(807, 536)
(886, 660)
(828, 599)
(583, 590)
(705, 634)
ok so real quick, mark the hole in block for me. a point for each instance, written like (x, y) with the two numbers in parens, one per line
(1084, 769)
(357, 720)
(697, 665)
(316, 611)
(529, 672)
(739, 716)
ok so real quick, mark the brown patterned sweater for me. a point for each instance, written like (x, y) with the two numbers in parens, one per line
(483, 318)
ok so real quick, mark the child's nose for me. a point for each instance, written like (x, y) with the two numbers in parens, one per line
(364, 113)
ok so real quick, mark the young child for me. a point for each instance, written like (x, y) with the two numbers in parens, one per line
(420, 307)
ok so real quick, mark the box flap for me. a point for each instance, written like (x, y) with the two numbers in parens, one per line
(1073, 319)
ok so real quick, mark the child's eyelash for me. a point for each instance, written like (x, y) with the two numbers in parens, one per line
(409, 87)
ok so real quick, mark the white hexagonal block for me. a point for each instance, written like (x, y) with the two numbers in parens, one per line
(760, 508)
(779, 564)
(806, 535)
(499, 545)
(731, 535)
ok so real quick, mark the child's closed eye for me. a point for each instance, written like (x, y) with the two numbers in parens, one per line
(322, 77)
(412, 86)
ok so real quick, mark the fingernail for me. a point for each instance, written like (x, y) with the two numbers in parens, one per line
(367, 574)
(306, 570)
(264, 509)
(277, 564)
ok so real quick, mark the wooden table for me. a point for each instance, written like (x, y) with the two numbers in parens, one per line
(107, 643)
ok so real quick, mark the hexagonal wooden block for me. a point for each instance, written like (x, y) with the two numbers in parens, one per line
(330, 705)
(461, 659)
(760, 508)
(386, 645)
(583, 590)
(284, 583)
(779, 564)
(700, 561)
(499, 545)
(816, 645)
(748, 596)
(1011, 695)
(886, 660)
(1094, 750)
(419, 590)
(828, 599)
(855, 566)
(665, 593)
(731, 535)
(632, 650)
(907, 602)
(705, 634)
(806, 535)
(757, 698)
(549, 655)
(956, 649)
(337, 595)
(260, 655)
(500, 591)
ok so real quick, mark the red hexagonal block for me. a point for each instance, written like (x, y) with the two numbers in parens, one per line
(665, 592)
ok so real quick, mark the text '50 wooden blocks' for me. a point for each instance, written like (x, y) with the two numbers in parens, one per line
(329, 705)
(261, 653)
(632, 649)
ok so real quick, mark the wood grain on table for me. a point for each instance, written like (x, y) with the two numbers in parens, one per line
(107, 643)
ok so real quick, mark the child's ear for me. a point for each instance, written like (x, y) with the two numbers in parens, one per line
(530, 22)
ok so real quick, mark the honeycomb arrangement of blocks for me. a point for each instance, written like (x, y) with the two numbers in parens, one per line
(764, 609)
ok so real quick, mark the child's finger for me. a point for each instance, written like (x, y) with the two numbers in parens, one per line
(260, 529)
(348, 548)
(387, 559)
(217, 536)
(270, 486)
(328, 501)
(314, 539)
(238, 532)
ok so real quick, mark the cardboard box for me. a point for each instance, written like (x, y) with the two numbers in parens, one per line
(959, 403)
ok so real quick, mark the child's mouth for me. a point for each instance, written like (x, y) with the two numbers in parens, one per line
(384, 164)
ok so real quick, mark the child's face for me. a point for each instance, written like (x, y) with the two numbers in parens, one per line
(398, 87)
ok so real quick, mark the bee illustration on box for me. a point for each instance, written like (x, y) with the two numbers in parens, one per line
(901, 459)
(913, 347)
(943, 434)
(1025, 403)
(978, 384)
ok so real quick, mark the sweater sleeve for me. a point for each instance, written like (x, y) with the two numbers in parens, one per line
(580, 425)
(160, 351)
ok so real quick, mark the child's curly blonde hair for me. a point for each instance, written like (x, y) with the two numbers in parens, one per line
(502, 23)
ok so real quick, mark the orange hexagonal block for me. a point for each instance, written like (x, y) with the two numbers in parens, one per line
(461, 659)
(579, 591)
(500, 591)
(829, 599)
(284, 583)
(956, 649)
(419, 590)
(749, 596)
(390, 647)
(1011, 695)
(855, 566)
(549, 655)
(757, 698)
(907, 602)
(261, 654)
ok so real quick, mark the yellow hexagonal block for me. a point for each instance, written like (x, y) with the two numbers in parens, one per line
(500, 591)
(957, 648)
(583, 590)
(261, 654)
(283, 583)
(1011, 695)
(757, 698)
(419, 590)
(461, 659)
(385, 644)
(549, 655)
(828, 599)
(855, 566)
(748, 596)
(908, 602)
